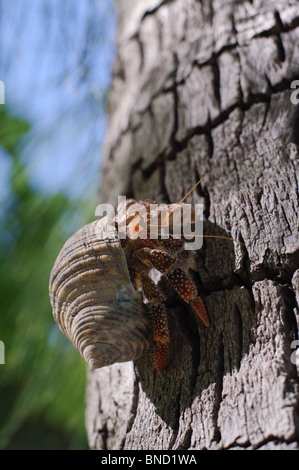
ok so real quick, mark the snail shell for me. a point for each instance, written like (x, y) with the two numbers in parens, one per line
(94, 301)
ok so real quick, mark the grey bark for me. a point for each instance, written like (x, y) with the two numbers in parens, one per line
(200, 87)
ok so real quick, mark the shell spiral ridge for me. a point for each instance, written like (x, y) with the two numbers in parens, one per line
(94, 301)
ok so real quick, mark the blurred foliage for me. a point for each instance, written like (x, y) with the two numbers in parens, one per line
(42, 383)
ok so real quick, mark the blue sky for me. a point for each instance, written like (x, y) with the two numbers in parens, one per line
(55, 60)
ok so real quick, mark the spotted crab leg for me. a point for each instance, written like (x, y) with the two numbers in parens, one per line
(139, 274)
(160, 326)
(178, 278)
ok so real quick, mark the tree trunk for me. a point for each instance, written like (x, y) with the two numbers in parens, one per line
(200, 87)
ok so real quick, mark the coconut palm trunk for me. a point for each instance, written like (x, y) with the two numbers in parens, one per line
(205, 88)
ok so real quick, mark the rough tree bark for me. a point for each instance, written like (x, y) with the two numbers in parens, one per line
(199, 87)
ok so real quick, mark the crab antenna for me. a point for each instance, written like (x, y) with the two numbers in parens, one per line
(168, 214)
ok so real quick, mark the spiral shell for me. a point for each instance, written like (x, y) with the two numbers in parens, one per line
(94, 301)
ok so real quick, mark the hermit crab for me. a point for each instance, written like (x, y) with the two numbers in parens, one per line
(100, 273)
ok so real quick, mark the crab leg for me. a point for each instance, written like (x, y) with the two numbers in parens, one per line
(160, 326)
(180, 281)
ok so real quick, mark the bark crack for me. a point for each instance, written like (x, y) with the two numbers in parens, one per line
(133, 410)
(154, 10)
(219, 389)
